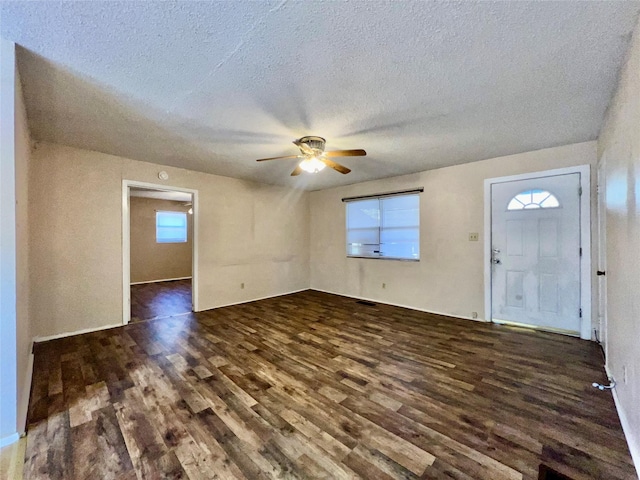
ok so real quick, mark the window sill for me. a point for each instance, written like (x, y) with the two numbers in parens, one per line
(385, 258)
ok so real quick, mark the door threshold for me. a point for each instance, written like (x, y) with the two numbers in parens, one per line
(562, 331)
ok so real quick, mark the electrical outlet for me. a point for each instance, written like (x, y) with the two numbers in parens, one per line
(474, 314)
(242, 285)
(624, 374)
(473, 237)
(384, 285)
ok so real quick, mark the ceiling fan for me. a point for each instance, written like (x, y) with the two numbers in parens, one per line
(314, 158)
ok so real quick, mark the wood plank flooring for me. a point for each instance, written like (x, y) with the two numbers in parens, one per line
(312, 385)
(160, 299)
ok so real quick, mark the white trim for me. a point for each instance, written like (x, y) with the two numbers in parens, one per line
(487, 250)
(601, 282)
(507, 323)
(126, 240)
(8, 250)
(46, 338)
(126, 255)
(634, 448)
(161, 280)
(585, 238)
(400, 305)
(106, 327)
(9, 439)
(259, 298)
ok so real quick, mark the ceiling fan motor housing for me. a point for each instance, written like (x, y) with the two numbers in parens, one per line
(315, 143)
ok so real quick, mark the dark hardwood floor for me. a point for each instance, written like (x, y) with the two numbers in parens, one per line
(312, 385)
(160, 299)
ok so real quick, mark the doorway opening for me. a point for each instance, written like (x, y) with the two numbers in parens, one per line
(538, 251)
(159, 251)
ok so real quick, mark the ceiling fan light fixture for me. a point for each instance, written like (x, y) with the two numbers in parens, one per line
(315, 159)
(312, 165)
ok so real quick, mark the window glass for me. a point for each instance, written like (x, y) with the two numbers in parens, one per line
(386, 227)
(171, 227)
(531, 199)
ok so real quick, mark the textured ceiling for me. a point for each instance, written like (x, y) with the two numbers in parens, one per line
(211, 86)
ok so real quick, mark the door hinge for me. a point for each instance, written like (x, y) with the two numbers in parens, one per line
(580, 313)
(580, 251)
(579, 191)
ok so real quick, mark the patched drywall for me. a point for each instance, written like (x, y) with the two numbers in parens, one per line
(449, 278)
(212, 86)
(152, 261)
(249, 233)
(619, 148)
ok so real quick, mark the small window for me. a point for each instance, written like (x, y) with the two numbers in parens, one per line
(533, 199)
(385, 227)
(171, 227)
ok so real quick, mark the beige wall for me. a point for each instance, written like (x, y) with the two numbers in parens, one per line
(249, 233)
(152, 261)
(23, 330)
(449, 278)
(619, 148)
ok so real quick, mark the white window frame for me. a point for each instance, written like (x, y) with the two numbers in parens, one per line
(379, 197)
(186, 226)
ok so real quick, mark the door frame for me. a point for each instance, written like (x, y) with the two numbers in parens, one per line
(601, 192)
(126, 243)
(585, 238)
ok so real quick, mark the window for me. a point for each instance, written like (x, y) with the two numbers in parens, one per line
(171, 227)
(533, 199)
(384, 227)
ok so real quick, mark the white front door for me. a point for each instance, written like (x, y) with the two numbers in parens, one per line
(535, 241)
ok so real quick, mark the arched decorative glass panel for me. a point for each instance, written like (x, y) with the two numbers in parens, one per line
(533, 199)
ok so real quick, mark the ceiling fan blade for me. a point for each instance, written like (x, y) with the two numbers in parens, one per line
(296, 171)
(304, 147)
(336, 166)
(346, 153)
(276, 158)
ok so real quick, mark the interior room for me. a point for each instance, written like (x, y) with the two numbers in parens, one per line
(309, 239)
(160, 253)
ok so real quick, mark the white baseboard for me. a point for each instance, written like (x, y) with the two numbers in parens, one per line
(401, 305)
(161, 280)
(105, 327)
(26, 390)
(77, 332)
(9, 439)
(632, 442)
(255, 299)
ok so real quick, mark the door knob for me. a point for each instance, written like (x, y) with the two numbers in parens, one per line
(496, 261)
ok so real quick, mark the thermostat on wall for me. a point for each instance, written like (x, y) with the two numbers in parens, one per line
(163, 175)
